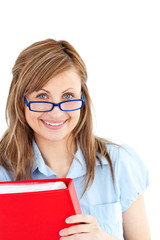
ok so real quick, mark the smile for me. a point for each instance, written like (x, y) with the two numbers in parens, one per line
(53, 124)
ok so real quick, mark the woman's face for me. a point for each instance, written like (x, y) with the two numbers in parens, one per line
(55, 125)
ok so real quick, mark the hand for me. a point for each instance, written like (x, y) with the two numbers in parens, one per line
(87, 229)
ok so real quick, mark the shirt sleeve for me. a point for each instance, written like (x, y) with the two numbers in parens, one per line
(132, 176)
(4, 175)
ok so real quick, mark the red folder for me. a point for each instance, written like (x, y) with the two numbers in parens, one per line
(37, 215)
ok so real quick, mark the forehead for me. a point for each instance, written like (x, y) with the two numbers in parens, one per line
(67, 79)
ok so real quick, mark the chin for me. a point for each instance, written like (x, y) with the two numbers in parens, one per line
(51, 137)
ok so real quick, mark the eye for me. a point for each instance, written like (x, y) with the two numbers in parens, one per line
(68, 96)
(42, 96)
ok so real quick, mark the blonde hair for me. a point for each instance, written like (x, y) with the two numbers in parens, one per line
(34, 67)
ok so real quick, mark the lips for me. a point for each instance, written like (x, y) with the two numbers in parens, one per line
(53, 123)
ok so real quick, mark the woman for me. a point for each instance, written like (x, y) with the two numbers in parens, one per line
(50, 135)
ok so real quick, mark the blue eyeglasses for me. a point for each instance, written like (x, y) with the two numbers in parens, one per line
(43, 106)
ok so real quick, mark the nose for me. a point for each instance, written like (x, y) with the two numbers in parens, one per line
(56, 112)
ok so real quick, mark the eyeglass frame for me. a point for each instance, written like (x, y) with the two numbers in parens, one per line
(55, 104)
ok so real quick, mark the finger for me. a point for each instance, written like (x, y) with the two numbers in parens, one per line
(84, 236)
(83, 218)
(80, 228)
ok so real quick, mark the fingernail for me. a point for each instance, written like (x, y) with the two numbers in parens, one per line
(61, 233)
(67, 220)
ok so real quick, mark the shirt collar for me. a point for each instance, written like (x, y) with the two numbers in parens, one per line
(77, 169)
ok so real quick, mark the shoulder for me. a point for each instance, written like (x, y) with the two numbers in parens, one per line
(4, 175)
(127, 162)
(124, 155)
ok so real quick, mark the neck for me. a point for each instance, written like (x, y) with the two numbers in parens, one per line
(56, 155)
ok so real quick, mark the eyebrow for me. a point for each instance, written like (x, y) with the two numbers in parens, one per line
(42, 89)
(68, 90)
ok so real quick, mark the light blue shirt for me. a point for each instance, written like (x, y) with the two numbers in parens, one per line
(101, 200)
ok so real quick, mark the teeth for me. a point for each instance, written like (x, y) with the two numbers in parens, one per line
(53, 124)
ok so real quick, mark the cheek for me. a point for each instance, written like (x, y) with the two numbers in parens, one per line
(75, 117)
(27, 116)
(30, 117)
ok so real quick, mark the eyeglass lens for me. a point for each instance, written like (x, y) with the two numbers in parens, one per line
(73, 105)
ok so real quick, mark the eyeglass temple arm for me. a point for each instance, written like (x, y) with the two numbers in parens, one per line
(26, 102)
(83, 98)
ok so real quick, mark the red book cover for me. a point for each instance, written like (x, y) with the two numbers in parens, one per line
(37, 215)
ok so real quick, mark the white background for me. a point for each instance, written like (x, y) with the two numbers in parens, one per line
(120, 44)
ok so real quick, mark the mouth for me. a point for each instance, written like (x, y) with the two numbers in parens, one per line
(53, 124)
